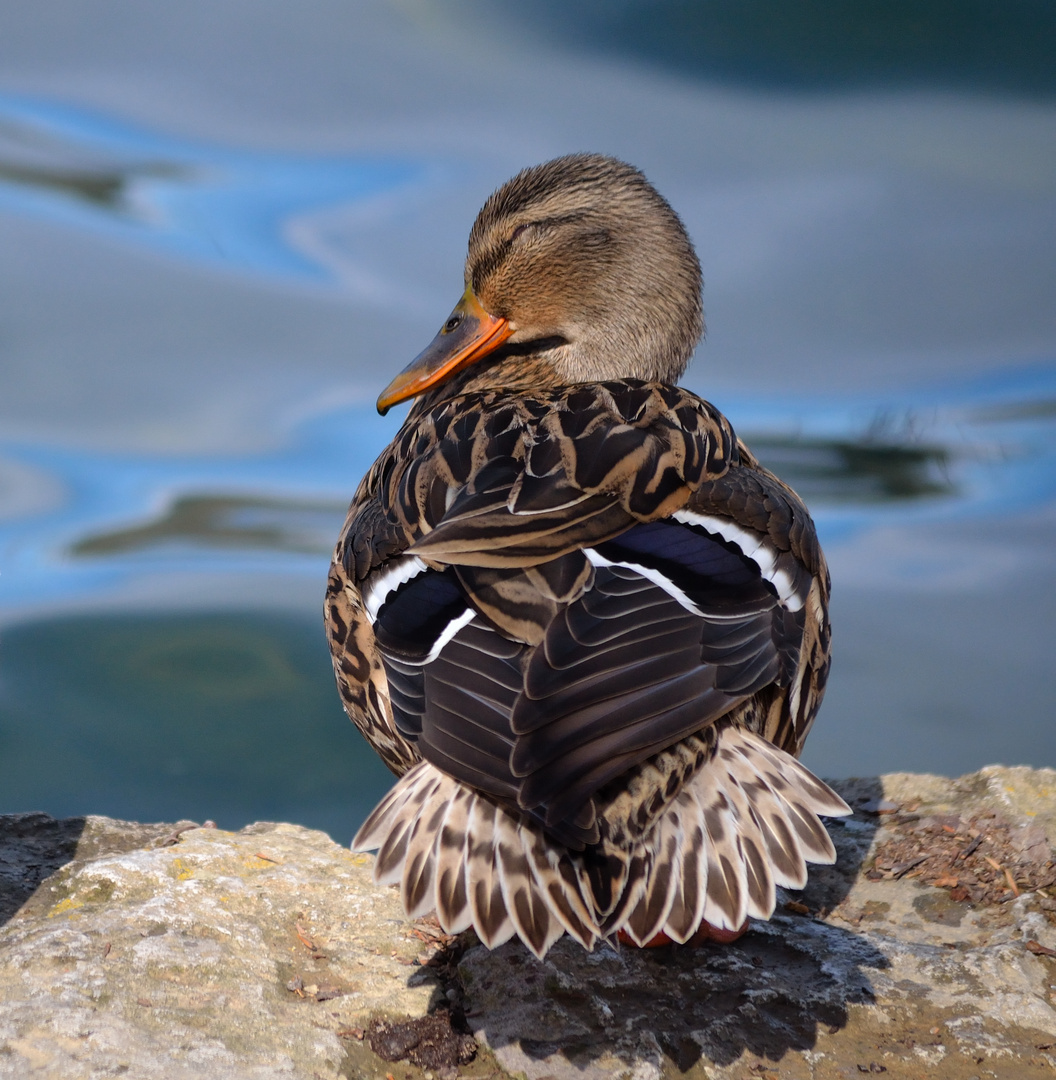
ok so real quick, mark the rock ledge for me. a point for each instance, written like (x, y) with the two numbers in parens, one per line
(176, 951)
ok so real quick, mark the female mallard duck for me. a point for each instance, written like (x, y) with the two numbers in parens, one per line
(570, 610)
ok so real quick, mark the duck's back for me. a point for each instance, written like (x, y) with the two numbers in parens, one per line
(571, 607)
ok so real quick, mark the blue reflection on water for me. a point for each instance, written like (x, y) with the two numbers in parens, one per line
(194, 200)
(999, 432)
(997, 435)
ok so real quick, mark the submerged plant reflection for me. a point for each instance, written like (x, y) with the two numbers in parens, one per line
(227, 521)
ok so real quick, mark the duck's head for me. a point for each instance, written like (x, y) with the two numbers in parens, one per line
(578, 271)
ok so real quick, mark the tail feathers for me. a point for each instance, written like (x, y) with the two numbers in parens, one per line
(483, 877)
(526, 902)
(787, 797)
(750, 838)
(690, 893)
(476, 863)
(662, 879)
(393, 822)
(747, 822)
(562, 883)
(452, 895)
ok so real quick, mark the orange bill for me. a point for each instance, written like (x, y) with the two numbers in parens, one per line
(469, 334)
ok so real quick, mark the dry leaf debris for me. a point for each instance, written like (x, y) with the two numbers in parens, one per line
(982, 859)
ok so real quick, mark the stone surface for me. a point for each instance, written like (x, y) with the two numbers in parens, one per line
(168, 951)
(175, 961)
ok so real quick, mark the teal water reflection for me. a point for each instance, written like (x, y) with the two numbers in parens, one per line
(165, 716)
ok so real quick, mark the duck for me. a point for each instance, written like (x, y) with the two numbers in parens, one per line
(583, 626)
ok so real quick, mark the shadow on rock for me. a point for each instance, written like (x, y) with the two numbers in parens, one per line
(35, 846)
(32, 847)
(586, 1014)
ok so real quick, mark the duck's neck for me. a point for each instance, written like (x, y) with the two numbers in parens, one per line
(514, 370)
(545, 365)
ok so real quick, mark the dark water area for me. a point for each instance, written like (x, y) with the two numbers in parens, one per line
(822, 45)
(222, 229)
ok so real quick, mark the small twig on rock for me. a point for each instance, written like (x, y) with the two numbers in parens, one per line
(1038, 949)
(1004, 870)
(174, 836)
(970, 849)
(901, 871)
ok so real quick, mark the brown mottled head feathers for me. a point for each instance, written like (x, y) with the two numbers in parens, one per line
(589, 262)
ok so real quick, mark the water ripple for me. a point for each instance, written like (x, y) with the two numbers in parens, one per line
(242, 210)
(974, 451)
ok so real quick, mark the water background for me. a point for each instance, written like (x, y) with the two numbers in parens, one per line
(224, 225)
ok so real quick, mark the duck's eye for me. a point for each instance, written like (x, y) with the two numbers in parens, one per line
(453, 323)
(517, 232)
